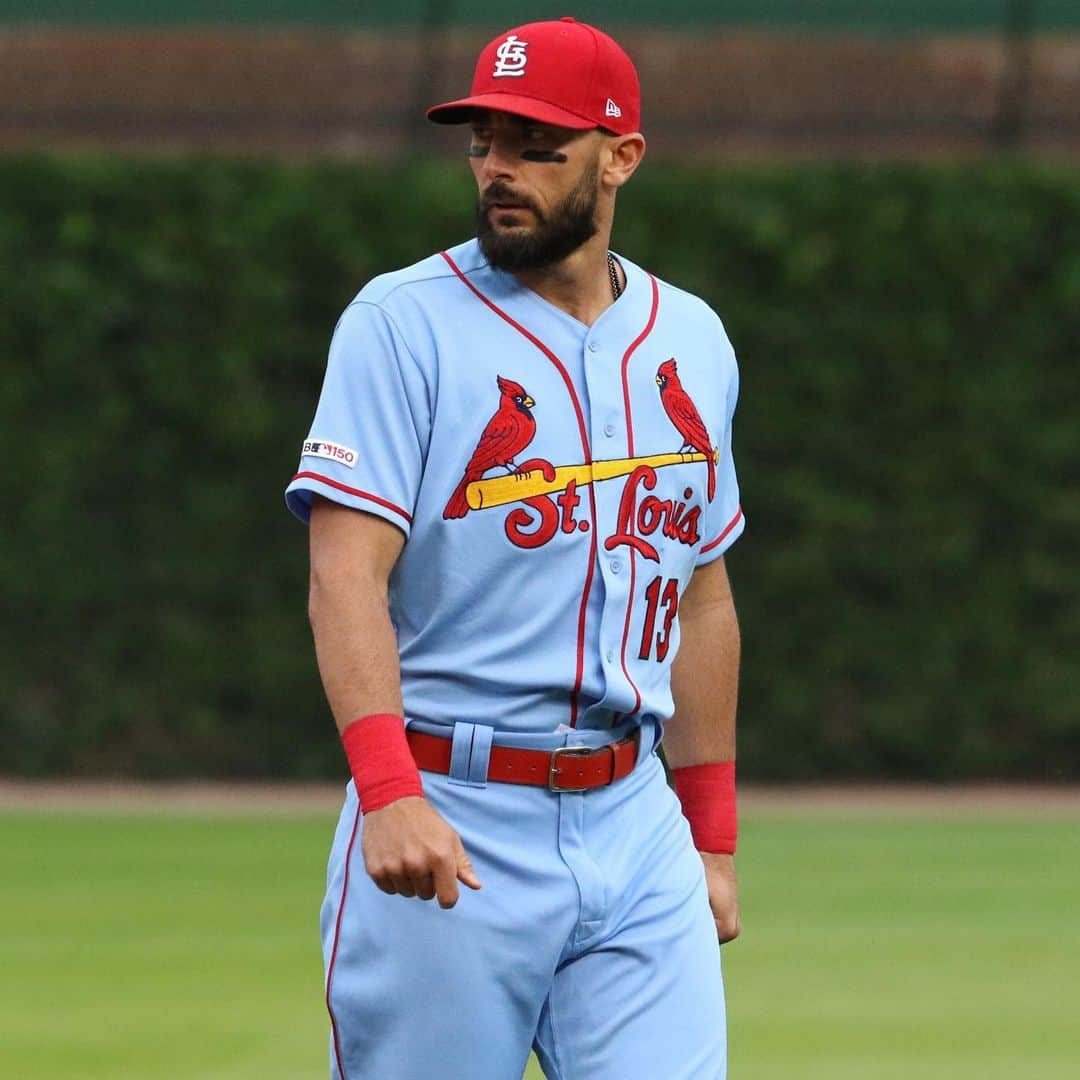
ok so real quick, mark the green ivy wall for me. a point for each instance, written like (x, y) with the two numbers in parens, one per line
(908, 442)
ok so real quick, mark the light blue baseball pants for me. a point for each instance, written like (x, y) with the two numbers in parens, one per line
(591, 941)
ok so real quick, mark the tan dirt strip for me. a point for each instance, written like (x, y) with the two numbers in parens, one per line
(286, 799)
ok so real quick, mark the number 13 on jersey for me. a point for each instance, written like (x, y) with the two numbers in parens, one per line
(659, 595)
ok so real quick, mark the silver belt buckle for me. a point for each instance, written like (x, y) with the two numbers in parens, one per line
(573, 751)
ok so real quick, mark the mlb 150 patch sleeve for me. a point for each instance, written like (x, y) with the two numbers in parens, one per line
(367, 442)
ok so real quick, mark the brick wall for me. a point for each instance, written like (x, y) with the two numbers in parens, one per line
(361, 93)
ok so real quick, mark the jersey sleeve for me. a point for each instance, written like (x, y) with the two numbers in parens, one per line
(724, 519)
(368, 441)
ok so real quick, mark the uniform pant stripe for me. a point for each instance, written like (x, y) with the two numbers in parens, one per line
(337, 937)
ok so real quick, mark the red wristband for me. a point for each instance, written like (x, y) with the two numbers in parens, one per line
(707, 794)
(380, 760)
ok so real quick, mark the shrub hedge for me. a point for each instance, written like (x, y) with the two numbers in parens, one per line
(907, 440)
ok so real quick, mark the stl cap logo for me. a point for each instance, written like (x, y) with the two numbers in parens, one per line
(511, 58)
(611, 109)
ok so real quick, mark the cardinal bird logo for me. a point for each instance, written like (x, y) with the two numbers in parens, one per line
(684, 415)
(508, 432)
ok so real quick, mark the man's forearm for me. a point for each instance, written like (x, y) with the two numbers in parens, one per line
(408, 848)
(356, 650)
(705, 675)
(704, 683)
(355, 643)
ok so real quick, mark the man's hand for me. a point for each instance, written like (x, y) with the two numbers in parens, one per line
(723, 894)
(410, 849)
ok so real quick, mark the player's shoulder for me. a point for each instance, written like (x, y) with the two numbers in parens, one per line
(689, 306)
(421, 278)
(401, 306)
(685, 309)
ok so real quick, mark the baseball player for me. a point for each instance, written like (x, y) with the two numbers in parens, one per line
(520, 489)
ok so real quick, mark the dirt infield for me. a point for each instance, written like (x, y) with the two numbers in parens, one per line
(915, 800)
(720, 95)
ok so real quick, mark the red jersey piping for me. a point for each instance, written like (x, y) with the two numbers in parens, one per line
(355, 491)
(727, 528)
(529, 336)
(630, 450)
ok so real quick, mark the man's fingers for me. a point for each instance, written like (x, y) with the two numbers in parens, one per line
(467, 875)
(465, 871)
(411, 883)
(727, 929)
(425, 886)
(385, 884)
(446, 884)
(723, 894)
(403, 885)
(409, 850)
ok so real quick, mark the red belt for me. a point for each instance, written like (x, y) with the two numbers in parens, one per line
(566, 768)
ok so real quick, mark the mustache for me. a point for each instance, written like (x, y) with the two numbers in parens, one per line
(501, 193)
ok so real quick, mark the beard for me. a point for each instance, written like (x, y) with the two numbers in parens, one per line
(552, 239)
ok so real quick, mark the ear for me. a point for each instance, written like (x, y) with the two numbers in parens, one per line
(621, 156)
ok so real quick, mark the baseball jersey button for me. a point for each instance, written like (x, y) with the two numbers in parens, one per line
(616, 566)
(593, 346)
(609, 430)
(611, 656)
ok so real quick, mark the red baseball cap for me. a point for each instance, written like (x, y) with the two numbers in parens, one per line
(563, 72)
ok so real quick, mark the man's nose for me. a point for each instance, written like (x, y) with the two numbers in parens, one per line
(500, 162)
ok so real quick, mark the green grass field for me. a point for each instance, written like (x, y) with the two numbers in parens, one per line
(874, 948)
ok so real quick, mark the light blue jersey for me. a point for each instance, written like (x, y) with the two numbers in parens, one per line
(557, 485)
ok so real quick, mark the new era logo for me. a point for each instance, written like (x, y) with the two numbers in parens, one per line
(611, 109)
